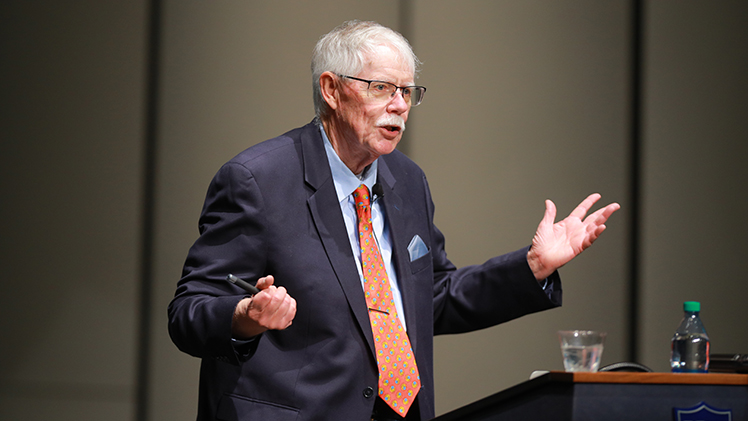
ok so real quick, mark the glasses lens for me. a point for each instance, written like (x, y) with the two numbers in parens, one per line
(417, 93)
(384, 91)
(381, 90)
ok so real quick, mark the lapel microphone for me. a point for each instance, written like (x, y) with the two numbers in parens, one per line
(377, 191)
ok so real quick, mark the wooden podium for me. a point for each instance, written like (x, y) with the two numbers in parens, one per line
(561, 396)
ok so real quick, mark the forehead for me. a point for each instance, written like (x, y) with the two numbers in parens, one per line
(387, 63)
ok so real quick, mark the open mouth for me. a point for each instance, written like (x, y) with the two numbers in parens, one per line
(392, 125)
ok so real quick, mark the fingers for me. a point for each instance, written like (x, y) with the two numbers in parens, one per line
(600, 216)
(595, 223)
(265, 282)
(270, 309)
(610, 209)
(273, 308)
(593, 232)
(281, 309)
(581, 210)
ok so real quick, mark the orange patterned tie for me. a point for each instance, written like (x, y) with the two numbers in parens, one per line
(399, 381)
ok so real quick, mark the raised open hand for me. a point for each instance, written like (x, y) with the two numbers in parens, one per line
(555, 244)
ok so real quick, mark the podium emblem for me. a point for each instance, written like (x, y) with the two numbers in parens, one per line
(702, 412)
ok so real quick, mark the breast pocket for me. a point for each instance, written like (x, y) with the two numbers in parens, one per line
(421, 263)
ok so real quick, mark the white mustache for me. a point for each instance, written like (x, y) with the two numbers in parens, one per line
(392, 120)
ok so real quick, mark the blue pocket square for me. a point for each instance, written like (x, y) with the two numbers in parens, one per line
(417, 248)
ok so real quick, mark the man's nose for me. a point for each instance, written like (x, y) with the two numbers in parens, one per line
(398, 102)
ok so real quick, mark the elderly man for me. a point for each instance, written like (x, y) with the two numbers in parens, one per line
(336, 227)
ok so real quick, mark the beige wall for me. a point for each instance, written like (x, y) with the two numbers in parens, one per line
(526, 101)
(71, 118)
(695, 177)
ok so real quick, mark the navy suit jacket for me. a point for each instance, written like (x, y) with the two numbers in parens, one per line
(273, 209)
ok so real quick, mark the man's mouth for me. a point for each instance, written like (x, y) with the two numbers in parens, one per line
(392, 124)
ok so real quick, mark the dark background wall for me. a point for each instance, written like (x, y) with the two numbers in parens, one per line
(107, 153)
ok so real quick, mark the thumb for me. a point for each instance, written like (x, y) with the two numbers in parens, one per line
(550, 213)
(265, 282)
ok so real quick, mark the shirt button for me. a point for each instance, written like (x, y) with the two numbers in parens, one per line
(368, 392)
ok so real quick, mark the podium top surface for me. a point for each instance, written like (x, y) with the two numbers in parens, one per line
(649, 378)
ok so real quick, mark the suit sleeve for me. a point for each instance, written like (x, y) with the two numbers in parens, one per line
(479, 296)
(231, 241)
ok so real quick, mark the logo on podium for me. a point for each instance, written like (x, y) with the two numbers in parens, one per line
(702, 412)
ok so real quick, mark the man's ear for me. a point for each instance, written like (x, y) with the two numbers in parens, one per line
(328, 87)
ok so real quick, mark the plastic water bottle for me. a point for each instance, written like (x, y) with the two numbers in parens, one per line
(690, 345)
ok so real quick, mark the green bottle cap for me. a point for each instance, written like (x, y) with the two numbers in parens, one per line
(691, 306)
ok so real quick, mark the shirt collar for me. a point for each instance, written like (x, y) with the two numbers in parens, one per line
(345, 181)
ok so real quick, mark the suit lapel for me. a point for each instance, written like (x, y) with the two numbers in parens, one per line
(328, 219)
(396, 218)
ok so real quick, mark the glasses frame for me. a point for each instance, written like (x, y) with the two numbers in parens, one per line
(400, 88)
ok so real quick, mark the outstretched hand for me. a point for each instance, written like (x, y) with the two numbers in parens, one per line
(555, 244)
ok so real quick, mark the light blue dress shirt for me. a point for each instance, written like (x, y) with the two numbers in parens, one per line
(345, 184)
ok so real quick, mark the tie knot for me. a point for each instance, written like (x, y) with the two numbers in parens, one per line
(361, 196)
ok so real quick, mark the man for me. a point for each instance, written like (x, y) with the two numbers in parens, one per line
(336, 227)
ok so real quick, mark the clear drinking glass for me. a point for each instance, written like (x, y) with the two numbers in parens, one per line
(581, 349)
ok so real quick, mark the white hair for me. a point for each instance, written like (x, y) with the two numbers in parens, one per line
(344, 49)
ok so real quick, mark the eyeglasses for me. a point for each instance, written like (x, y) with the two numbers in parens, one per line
(384, 91)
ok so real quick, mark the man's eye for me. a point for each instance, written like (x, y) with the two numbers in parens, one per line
(379, 87)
